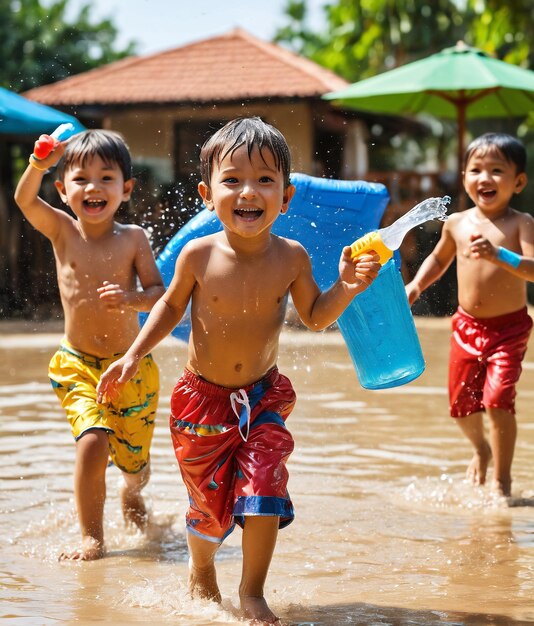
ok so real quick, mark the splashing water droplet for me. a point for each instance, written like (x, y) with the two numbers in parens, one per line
(429, 209)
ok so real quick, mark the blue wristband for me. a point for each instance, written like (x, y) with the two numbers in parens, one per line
(508, 257)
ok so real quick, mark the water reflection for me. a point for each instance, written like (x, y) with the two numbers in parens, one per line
(387, 531)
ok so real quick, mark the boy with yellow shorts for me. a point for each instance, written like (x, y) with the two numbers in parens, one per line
(106, 275)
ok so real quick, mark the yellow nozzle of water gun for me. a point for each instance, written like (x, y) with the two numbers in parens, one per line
(371, 241)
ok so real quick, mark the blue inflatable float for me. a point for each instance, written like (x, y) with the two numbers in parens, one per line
(325, 215)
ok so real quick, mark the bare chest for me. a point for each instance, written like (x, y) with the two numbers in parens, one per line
(236, 290)
(501, 232)
(85, 265)
(244, 296)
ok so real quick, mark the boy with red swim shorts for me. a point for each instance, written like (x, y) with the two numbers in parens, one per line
(230, 406)
(494, 250)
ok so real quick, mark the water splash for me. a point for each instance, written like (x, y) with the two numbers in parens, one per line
(429, 209)
(453, 493)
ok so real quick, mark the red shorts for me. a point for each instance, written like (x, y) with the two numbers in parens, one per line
(485, 361)
(232, 467)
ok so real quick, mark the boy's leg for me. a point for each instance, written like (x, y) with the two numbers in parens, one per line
(90, 494)
(503, 433)
(202, 574)
(259, 540)
(473, 428)
(133, 505)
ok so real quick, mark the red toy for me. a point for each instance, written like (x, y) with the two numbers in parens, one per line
(44, 146)
(46, 143)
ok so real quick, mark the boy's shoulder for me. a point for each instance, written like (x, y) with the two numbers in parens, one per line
(129, 231)
(129, 237)
(128, 228)
(518, 220)
(456, 221)
(199, 247)
(521, 216)
(288, 248)
(458, 216)
(204, 242)
(288, 243)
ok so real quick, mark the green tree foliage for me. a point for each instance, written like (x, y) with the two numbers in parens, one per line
(504, 29)
(362, 38)
(39, 45)
(365, 37)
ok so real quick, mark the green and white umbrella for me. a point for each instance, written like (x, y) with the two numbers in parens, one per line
(459, 83)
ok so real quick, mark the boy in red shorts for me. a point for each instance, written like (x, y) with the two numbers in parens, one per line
(494, 249)
(230, 406)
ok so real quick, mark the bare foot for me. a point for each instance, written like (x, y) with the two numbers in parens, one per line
(476, 471)
(91, 550)
(134, 509)
(502, 488)
(256, 609)
(203, 583)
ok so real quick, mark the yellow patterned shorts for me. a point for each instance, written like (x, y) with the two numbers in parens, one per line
(129, 421)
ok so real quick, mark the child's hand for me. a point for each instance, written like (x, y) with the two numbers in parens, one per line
(412, 292)
(44, 146)
(359, 271)
(113, 296)
(49, 158)
(482, 248)
(111, 381)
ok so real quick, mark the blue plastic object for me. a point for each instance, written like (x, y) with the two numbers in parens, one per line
(64, 131)
(325, 215)
(380, 333)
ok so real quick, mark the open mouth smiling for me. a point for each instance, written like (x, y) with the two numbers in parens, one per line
(487, 194)
(94, 206)
(248, 214)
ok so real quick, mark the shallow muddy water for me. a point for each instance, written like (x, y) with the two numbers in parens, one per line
(386, 531)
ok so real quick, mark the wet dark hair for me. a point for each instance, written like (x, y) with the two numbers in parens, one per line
(508, 146)
(251, 132)
(109, 145)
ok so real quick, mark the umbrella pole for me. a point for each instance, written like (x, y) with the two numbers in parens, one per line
(461, 105)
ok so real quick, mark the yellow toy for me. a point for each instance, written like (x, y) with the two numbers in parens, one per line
(386, 240)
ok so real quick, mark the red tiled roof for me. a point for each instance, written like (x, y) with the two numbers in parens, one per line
(232, 66)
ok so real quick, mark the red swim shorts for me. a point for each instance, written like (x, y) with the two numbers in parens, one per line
(232, 446)
(485, 361)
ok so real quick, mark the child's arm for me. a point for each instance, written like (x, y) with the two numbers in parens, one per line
(520, 265)
(115, 297)
(39, 213)
(317, 309)
(163, 317)
(435, 265)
